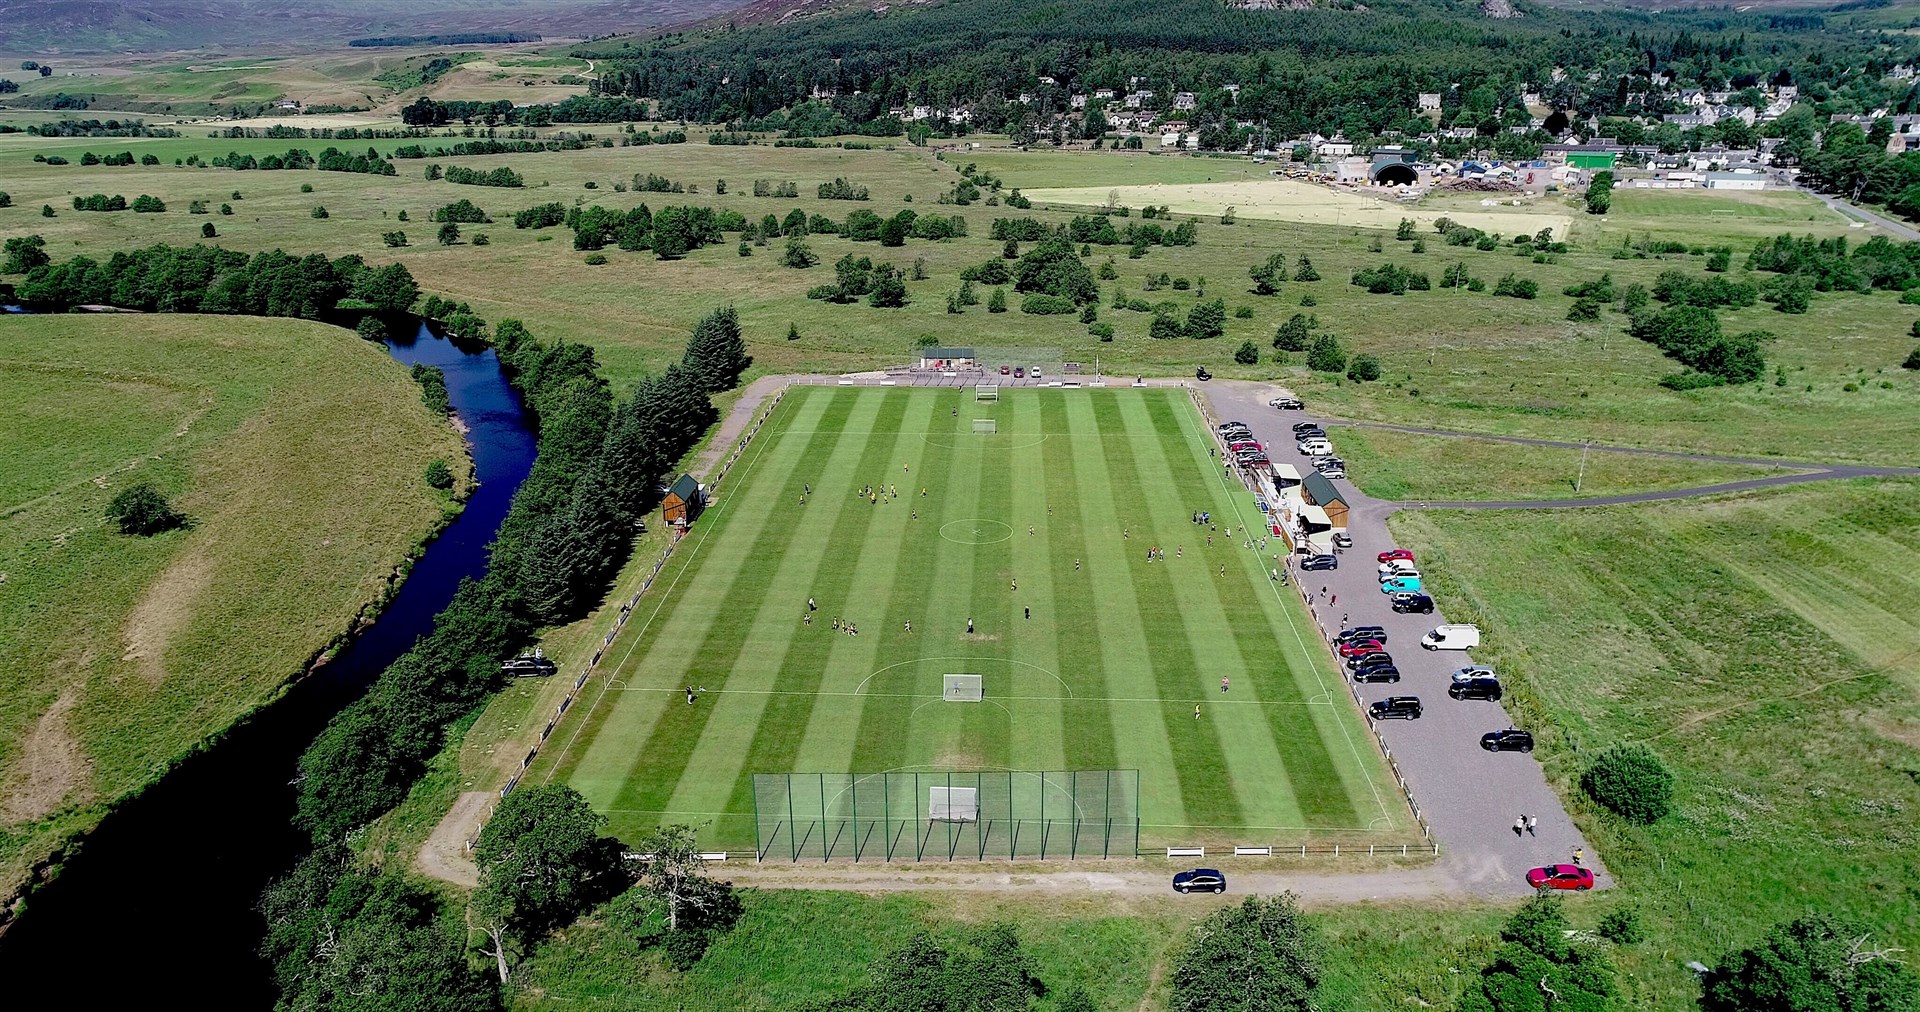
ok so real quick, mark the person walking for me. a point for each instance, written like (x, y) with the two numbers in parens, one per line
(1520, 825)
(909, 625)
(810, 606)
(1196, 710)
(1343, 618)
(1533, 824)
(1223, 685)
(1223, 569)
(1076, 565)
(1579, 855)
(1028, 611)
(1335, 599)
(689, 695)
(969, 625)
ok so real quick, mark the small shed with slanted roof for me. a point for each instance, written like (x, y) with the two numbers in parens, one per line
(1320, 492)
(684, 501)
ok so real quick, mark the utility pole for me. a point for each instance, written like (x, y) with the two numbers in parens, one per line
(1583, 467)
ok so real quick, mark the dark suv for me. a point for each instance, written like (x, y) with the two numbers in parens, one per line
(1381, 672)
(1413, 604)
(1479, 687)
(1511, 740)
(1313, 563)
(1361, 632)
(1403, 707)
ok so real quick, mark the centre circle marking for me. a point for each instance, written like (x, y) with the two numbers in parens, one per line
(976, 531)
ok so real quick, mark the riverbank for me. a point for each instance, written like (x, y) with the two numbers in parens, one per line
(221, 812)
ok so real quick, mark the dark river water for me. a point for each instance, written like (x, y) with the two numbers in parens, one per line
(158, 904)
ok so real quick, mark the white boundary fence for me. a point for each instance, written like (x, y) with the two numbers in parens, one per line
(626, 611)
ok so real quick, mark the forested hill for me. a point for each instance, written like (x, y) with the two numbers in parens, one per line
(1321, 69)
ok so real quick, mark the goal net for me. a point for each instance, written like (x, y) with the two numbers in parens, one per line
(987, 392)
(953, 804)
(962, 689)
(985, 426)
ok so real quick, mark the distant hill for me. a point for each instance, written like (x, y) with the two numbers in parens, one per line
(40, 27)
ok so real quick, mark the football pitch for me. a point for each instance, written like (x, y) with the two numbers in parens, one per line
(1088, 656)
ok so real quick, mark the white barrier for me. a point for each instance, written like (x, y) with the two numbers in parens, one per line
(1186, 852)
(1253, 852)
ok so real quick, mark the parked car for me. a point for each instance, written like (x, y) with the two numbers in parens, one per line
(1561, 876)
(1342, 539)
(1402, 707)
(1286, 403)
(1395, 553)
(1377, 673)
(1479, 687)
(1354, 648)
(1313, 446)
(1399, 574)
(1019, 372)
(1361, 632)
(1244, 444)
(1452, 637)
(1313, 563)
(1005, 370)
(1206, 880)
(1035, 373)
(1299, 427)
(1311, 431)
(1511, 740)
(1357, 661)
(1231, 423)
(1202, 374)
(1412, 604)
(1473, 671)
(1398, 566)
(1400, 585)
(1333, 472)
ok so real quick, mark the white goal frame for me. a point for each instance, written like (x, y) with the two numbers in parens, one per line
(986, 392)
(953, 804)
(986, 427)
(959, 688)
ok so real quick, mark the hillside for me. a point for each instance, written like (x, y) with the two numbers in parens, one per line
(44, 27)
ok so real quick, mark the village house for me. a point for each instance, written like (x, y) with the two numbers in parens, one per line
(1184, 100)
(1138, 99)
(1336, 146)
(1103, 94)
(1429, 101)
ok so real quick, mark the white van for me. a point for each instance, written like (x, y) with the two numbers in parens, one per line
(1311, 447)
(1452, 637)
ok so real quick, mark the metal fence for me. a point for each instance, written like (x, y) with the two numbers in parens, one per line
(1021, 814)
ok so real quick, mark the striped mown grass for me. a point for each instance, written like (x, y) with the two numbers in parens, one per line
(1053, 513)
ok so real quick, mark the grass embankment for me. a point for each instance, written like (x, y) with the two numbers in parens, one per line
(1767, 646)
(1407, 466)
(296, 450)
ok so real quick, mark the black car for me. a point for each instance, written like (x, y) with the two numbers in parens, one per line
(1361, 632)
(1206, 880)
(1402, 707)
(1202, 373)
(1377, 673)
(1477, 687)
(1413, 604)
(1511, 740)
(1231, 423)
(1310, 432)
(1317, 562)
(1366, 660)
(1287, 403)
(1304, 426)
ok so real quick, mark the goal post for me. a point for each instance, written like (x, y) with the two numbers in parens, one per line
(985, 426)
(953, 804)
(961, 689)
(986, 392)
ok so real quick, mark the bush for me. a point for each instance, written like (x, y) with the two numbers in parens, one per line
(1583, 310)
(1326, 354)
(319, 212)
(140, 509)
(1263, 954)
(596, 259)
(1363, 369)
(1103, 331)
(997, 302)
(371, 328)
(394, 240)
(1246, 354)
(1047, 305)
(1622, 927)
(144, 204)
(304, 188)
(207, 231)
(480, 239)
(1815, 964)
(1913, 360)
(1516, 287)
(439, 475)
(1632, 782)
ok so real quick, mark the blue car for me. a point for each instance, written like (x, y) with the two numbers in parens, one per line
(1206, 880)
(1403, 585)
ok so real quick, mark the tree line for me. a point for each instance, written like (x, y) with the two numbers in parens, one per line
(209, 279)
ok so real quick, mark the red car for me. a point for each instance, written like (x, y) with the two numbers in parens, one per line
(1356, 648)
(1560, 876)
(1395, 553)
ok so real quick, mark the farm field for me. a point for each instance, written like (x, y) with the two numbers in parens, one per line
(1305, 203)
(1732, 216)
(1766, 646)
(120, 654)
(1455, 360)
(1387, 464)
(1053, 513)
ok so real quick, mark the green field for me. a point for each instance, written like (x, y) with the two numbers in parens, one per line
(118, 655)
(1767, 645)
(1054, 513)
(1404, 466)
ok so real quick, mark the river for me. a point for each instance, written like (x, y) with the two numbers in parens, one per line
(158, 903)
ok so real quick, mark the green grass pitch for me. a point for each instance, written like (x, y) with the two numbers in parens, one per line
(1053, 513)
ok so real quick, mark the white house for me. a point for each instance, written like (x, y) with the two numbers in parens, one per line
(1736, 181)
(1184, 100)
(1077, 101)
(1429, 101)
(1103, 94)
(1336, 146)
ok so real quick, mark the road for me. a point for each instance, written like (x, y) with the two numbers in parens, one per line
(1470, 797)
(1845, 209)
